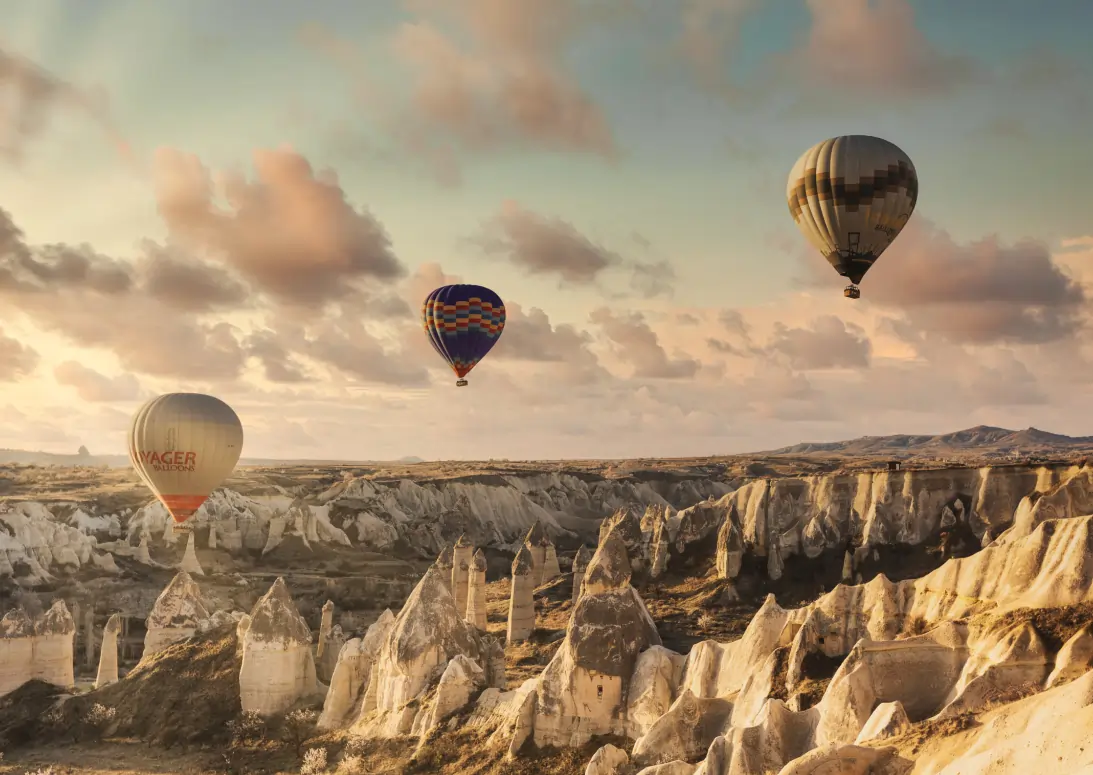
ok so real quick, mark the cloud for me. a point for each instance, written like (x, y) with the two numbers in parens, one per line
(278, 364)
(638, 346)
(732, 321)
(289, 240)
(186, 283)
(829, 343)
(16, 359)
(540, 245)
(979, 293)
(29, 94)
(483, 75)
(92, 386)
(874, 46)
(290, 233)
(94, 301)
(1003, 380)
(346, 344)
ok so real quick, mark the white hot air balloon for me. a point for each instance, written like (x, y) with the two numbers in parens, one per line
(184, 445)
(851, 196)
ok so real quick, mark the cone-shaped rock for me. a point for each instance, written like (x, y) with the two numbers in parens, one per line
(580, 566)
(176, 613)
(108, 655)
(424, 637)
(278, 667)
(583, 690)
(522, 597)
(476, 592)
(189, 558)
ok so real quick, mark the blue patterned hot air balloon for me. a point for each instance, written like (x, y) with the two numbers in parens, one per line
(463, 323)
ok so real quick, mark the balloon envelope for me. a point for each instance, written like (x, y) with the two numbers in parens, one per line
(184, 445)
(463, 323)
(851, 196)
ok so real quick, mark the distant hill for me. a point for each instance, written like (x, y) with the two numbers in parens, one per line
(984, 440)
(981, 445)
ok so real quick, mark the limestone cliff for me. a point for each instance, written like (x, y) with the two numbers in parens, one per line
(779, 518)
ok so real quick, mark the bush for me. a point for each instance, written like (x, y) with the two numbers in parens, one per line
(351, 765)
(314, 762)
(99, 715)
(249, 726)
(354, 745)
(98, 718)
(298, 727)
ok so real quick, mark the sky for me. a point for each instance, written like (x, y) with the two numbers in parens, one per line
(251, 199)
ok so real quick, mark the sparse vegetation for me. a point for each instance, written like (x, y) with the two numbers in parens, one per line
(314, 762)
(298, 727)
(98, 719)
(249, 726)
(351, 764)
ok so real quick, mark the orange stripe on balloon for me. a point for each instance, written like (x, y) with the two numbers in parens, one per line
(182, 507)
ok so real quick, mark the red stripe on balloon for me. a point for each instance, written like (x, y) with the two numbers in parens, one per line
(182, 507)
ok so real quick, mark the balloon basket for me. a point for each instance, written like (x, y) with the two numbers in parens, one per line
(852, 292)
(461, 383)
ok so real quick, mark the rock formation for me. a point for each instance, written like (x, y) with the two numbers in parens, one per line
(476, 592)
(352, 674)
(730, 548)
(175, 615)
(41, 648)
(522, 597)
(660, 543)
(108, 654)
(278, 667)
(325, 665)
(444, 565)
(52, 655)
(580, 564)
(626, 524)
(536, 542)
(16, 650)
(143, 555)
(425, 637)
(608, 760)
(1075, 658)
(583, 691)
(326, 621)
(551, 569)
(189, 561)
(461, 567)
(808, 515)
(382, 513)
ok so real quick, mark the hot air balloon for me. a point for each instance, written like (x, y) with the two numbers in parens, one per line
(463, 323)
(183, 445)
(851, 196)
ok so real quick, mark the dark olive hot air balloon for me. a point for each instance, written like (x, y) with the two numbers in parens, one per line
(851, 196)
(463, 323)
